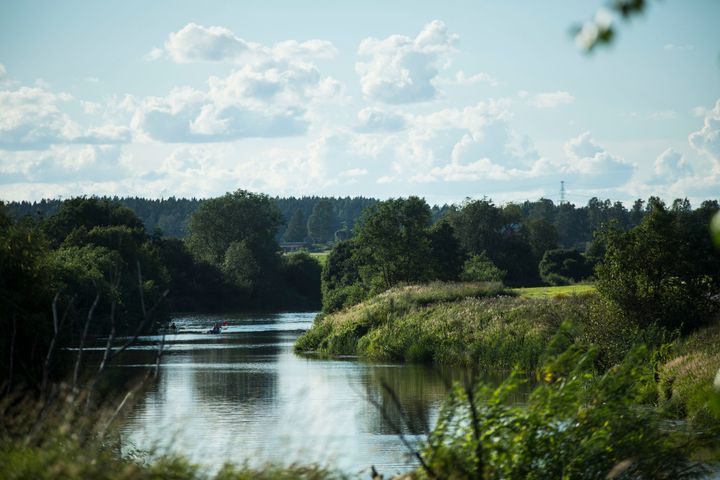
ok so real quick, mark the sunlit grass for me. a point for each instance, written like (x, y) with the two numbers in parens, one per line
(321, 257)
(550, 292)
(461, 323)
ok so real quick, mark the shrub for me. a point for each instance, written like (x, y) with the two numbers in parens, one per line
(574, 424)
(479, 268)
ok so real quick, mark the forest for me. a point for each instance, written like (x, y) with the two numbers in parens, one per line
(400, 280)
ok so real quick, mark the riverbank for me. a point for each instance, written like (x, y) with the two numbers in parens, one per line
(454, 323)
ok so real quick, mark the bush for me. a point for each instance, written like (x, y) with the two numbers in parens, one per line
(574, 424)
(479, 268)
(664, 271)
(562, 266)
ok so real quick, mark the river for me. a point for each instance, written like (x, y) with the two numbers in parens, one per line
(245, 396)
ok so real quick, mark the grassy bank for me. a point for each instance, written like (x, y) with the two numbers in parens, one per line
(555, 292)
(686, 379)
(478, 324)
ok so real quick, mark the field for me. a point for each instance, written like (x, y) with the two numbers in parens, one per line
(552, 292)
(320, 257)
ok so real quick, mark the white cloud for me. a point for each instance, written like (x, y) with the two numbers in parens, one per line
(588, 159)
(400, 69)
(707, 139)
(461, 78)
(197, 43)
(699, 111)
(153, 54)
(663, 115)
(671, 47)
(670, 166)
(371, 120)
(32, 119)
(2, 70)
(63, 164)
(552, 99)
(250, 102)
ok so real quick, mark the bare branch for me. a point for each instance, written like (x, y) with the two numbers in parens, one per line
(76, 372)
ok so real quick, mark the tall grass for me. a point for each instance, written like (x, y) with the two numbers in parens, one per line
(57, 438)
(464, 324)
(686, 386)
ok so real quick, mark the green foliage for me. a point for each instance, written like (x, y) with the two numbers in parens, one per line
(562, 266)
(297, 228)
(61, 439)
(236, 233)
(445, 252)
(341, 282)
(240, 267)
(394, 243)
(235, 217)
(26, 291)
(664, 271)
(320, 224)
(715, 229)
(301, 273)
(574, 424)
(688, 378)
(480, 227)
(479, 268)
(89, 212)
(465, 324)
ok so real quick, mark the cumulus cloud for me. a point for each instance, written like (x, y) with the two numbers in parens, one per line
(401, 69)
(198, 43)
(371, 120)
(33, 119)
(461, 78)
(250, 102)
(670, 166)
(588, 159)
(270, 95)
(63, 164)
(707, 139)
(552, 99)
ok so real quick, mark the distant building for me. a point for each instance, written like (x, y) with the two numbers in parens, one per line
(289, 247)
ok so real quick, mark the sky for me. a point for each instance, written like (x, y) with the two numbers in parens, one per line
(444, 100)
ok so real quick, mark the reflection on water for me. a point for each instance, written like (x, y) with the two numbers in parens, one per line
(244, 396)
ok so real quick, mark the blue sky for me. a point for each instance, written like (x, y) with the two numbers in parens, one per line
(446, 100)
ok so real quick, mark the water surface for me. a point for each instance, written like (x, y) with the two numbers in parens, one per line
(245, 396)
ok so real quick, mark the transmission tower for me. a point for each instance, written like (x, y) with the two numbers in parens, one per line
(562, 192)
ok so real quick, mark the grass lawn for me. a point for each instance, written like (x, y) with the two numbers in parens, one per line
(547, 292)
(320, 257)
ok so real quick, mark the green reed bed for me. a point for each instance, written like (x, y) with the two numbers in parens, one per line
(462, 324)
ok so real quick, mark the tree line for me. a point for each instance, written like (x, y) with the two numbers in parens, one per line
(396, 242)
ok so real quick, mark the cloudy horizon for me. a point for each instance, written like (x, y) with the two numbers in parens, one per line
(444, 102)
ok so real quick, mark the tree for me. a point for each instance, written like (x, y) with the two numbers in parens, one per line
(320, 223)
(342, 285)
(297, 228)
(479, 268)
(563, 266)
(236, 233)
(663, 271)
(393, 235)
(445, 252)
(235, 217)
(301, 273)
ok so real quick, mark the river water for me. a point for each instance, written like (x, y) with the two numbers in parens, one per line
(245, 396)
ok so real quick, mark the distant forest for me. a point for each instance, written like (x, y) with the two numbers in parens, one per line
(574, 225)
